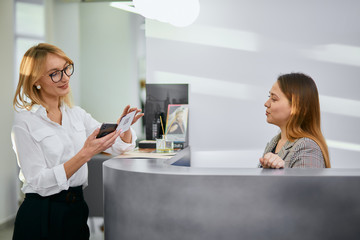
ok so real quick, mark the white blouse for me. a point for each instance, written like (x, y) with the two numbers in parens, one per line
(43, 146)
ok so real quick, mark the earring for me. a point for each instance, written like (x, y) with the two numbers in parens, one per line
(38, 87)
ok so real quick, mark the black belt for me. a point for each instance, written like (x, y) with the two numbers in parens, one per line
(73, 194)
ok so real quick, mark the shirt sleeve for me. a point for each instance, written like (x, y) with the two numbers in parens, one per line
(120, 146)
(307, 154)
(43, 179)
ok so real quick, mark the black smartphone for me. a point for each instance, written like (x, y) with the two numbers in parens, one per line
(106, 128)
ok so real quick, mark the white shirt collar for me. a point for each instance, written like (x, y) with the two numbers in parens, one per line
(41, 111)
(37, 107)
(34, 108)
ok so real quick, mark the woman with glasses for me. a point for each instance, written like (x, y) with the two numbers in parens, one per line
(53, 141)
(293, 106)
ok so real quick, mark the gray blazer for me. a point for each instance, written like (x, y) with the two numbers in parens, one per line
(302, 153)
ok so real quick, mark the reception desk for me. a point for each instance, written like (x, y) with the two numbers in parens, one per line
(157, 199)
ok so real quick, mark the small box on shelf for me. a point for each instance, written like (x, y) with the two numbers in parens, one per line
(152, 144)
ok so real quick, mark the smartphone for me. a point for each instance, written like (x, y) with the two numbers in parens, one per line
(106, 128)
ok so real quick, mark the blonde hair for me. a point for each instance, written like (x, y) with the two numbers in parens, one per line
(31, 70)
(302, 93)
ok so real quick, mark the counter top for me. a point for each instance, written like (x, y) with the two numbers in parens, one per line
(154, 199)
(166, 166)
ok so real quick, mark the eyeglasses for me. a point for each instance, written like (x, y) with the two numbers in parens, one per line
(57, 75)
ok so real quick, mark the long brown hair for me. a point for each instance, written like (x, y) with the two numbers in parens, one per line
(31, 69)
(302, 93)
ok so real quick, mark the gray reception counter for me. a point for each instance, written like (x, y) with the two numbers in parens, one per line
(156, 199)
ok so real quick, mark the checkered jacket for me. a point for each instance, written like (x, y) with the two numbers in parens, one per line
(302, 153)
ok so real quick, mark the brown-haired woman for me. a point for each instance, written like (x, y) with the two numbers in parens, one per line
(293, 106)
(53, 141)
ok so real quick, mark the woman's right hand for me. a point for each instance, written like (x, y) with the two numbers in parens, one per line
(93, 145)
(271, 160)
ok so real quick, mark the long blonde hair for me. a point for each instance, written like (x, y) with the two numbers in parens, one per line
(31, 70)
(302, 93)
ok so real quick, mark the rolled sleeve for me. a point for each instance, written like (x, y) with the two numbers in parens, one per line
(120, 146)
(60, 176)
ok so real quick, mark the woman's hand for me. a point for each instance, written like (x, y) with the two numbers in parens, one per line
(127, 110)
(271, 160)
(126, 136)
(93, 145)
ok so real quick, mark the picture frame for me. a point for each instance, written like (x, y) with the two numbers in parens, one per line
(177, 122)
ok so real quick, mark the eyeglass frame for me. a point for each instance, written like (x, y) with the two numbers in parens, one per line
(62, 72)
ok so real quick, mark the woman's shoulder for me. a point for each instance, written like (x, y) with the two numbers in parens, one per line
(27, 121)
(306, 143)
(305, 153)
(22, 116)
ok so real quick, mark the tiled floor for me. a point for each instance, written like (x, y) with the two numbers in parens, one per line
(94, 224)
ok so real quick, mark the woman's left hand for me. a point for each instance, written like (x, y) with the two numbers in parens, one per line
(127, 110)
(271, 160)
(126, 136)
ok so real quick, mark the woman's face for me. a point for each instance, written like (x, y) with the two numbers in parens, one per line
(49, 89)
(278, 107)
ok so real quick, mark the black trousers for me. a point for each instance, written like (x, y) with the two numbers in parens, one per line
(56, 217)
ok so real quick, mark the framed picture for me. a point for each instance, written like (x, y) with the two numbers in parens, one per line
(177, 122)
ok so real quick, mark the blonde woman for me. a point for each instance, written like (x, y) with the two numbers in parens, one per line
(177, 127)
(293, 106)
(53, 141)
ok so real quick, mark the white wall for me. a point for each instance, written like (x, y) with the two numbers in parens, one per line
(8, 169)
(235, 51)
(63, 30)
(109, 73)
